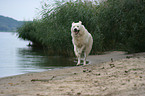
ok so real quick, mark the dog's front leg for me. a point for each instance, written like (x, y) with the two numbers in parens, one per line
(79, 54)
(79, 59)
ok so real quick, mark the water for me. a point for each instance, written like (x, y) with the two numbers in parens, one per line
(17, 58)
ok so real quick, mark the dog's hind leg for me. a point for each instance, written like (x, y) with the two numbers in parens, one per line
(85, 56)
(86, 52)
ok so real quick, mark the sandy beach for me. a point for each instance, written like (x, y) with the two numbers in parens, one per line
(112, 74)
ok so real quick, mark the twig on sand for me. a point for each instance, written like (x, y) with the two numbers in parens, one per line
(43, 80)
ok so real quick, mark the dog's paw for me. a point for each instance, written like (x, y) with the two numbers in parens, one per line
(84, 64)
(78, 64)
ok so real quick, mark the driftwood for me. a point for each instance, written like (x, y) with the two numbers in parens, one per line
(43, 80)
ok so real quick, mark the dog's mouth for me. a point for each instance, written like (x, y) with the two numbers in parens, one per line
(76, 31)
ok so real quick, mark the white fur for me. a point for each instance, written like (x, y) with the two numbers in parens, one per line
(82, 41)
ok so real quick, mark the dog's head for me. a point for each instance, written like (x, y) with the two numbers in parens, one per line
(76, 27)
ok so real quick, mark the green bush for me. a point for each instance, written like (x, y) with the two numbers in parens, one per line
(114, 25)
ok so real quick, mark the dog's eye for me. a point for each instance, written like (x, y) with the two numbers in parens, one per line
(77, 26)
(73, 26)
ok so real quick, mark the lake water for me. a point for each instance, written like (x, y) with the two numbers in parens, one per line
(17, 58)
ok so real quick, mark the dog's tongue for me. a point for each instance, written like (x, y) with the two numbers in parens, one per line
(76, 32)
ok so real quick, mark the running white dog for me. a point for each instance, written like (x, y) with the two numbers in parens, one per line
(82, 40)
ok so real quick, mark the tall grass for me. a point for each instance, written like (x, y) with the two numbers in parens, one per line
(115, 24)
(123, 24)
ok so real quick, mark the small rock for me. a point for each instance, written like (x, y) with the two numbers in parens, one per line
(89, 71)
(140, 76)
(128, 57)
(79, 93)
(126, 71)
(95, 81)
(111, 59)
(22, 81)
(84, 70)
(75, 73)
(98, 74)
(2, 92)
(103, 68)
(112, 65)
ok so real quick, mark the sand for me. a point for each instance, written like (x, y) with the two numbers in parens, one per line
(112, 74)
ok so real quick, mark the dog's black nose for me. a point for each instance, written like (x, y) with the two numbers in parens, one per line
(75, 30)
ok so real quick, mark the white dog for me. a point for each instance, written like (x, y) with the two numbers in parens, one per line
(82, 40)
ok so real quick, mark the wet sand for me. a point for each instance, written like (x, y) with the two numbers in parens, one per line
(112, 74)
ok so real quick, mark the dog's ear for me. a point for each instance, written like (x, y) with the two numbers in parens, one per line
(80, 22)
(73, 23)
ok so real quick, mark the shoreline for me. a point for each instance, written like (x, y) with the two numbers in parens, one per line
(93, 59)
(107, 74)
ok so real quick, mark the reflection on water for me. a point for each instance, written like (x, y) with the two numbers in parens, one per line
(17, 58)
(31, 59)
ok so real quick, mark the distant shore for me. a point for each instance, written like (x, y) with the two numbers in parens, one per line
(112, 74)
